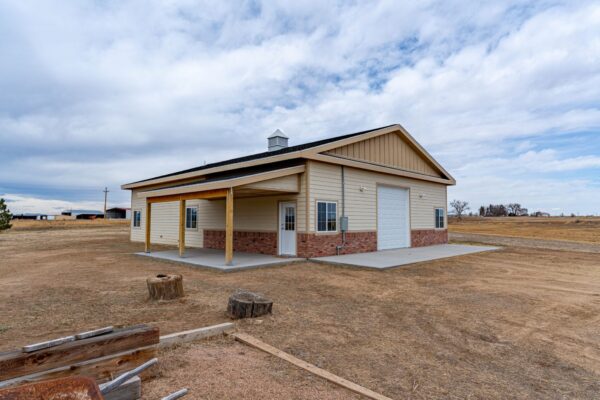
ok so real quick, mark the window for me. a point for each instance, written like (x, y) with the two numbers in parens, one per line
(137, 219)
(326, 216)
(439, 217)
(191, 218)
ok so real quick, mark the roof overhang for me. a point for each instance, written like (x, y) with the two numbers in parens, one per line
(214, 189)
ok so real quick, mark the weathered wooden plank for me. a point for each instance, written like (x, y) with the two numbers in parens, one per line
(17, 363)
(177, 395)
(73, 387)
(47, 344)
(95, 332)
(130, 390)
(194, 334)
(252, 341)
(101, 369)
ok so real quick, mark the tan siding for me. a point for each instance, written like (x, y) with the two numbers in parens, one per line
(165, 223)
(325, 184)
(285, 183)
(361, 207)
(301, 205)
(390, 150)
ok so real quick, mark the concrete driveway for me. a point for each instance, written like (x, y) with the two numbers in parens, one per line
(394, 258)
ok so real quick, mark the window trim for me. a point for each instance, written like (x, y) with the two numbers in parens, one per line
(435, 218)
(325, 232)
(186, 218)
(133, 219)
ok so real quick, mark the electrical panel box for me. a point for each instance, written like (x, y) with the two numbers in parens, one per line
(343, 224)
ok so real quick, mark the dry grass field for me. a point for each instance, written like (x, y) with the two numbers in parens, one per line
(33, 225)
(518, 323)
(572, 229)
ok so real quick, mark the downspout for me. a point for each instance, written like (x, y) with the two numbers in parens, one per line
(340, 247)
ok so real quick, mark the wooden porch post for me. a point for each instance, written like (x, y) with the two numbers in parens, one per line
(181, 228)
(148, 224)
(229, 227)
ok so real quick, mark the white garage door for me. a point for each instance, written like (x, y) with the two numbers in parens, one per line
(392, 218)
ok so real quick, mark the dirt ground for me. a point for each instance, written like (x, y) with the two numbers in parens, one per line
(516, 323)
(573, 229)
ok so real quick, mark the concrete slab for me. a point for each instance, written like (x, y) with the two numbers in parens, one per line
(394, 258)
(211, 258)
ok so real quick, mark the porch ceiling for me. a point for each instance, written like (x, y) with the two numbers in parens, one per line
(248, 185)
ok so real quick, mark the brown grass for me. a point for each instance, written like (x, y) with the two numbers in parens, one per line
(33, 225)
(576, 229)
(517, 323)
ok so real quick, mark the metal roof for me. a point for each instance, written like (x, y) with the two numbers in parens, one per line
(265, 154)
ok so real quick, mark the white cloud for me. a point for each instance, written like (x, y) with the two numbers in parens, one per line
(100, 94)
(18, 204)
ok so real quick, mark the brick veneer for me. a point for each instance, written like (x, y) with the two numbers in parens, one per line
(250, 242)
(428, 237)
(313, 245)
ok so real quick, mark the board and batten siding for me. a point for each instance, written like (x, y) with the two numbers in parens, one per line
(390, 150)
(361, 206)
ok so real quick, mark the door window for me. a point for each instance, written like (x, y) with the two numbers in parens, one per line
(289, 218)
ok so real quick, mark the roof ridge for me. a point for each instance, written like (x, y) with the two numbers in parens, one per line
(265, 154)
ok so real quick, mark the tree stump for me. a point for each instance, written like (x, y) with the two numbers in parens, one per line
(165, 287)
(244, 304)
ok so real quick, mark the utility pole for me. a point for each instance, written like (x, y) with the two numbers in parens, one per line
(105, 197)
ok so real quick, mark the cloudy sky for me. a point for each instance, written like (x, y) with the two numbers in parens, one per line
(505, 95)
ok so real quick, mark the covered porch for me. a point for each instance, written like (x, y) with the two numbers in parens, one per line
(213, 258)
(282, 181)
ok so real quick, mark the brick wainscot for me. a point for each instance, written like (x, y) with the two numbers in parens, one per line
(248, 242)
(320, 245)
(428, 237)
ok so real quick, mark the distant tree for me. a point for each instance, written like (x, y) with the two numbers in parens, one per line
(496, 210)
(513, 209)
(459, 207)
(5, 216)
(482, 211)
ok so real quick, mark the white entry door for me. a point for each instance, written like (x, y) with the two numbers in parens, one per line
(287, 229)
(393, 224)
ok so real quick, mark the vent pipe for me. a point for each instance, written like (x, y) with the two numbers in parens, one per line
(277, 141)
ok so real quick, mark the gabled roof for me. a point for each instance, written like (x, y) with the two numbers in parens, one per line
(264, 154)
(298, 151)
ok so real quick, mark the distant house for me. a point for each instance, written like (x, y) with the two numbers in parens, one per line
(83, 214)
(31, 216)
(540, 214)
(366, 191)
(118, 213)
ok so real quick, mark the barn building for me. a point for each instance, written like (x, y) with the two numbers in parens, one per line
(366, 191)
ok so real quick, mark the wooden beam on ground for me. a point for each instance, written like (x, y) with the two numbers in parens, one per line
(229, 227)
(252, 341)
(16, 363)
(194, 334)
(130, 390)
(181, 228)
(148, 226)
(102, 369)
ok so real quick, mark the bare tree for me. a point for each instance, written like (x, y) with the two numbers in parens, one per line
(459, 207)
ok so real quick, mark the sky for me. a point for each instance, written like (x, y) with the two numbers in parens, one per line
(505, 95)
